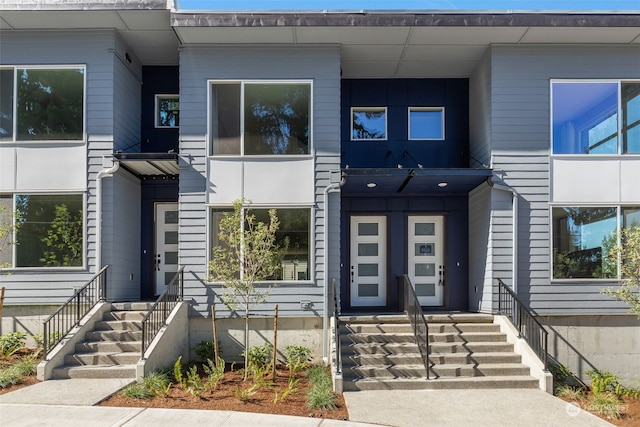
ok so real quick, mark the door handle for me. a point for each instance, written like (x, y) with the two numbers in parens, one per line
(441, 281)
(352, 274)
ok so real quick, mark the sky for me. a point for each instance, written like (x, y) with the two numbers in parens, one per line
(494, 5)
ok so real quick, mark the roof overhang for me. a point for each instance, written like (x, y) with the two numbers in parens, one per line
(143, 24)
(412, 181)
(149, 164)
(407, 44)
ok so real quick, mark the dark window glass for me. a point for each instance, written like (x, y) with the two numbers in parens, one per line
(6, 103)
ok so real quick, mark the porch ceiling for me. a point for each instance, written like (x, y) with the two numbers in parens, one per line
(412, 181)
(149, 164)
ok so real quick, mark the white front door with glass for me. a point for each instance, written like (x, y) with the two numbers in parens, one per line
(368, 266)
(166, 253)
(425, 258)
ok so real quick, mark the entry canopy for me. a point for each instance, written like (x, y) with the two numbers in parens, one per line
(413, 180)
(149, 164)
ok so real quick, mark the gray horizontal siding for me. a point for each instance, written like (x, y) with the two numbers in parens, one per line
(520, 139)
(200, 64)
(93, 49)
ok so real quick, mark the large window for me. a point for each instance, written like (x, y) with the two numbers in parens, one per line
(596, 117)
(261, 118)
(583, 236)
(48, 230)
(293, 234)
(42, 103)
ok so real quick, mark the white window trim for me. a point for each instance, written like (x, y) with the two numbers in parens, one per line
(618, 207)
(412, 109)
(156, 110)
(619, 110)
(242, 83)
(312, 241)
(15, 68)
(84, 232)
(386, 124)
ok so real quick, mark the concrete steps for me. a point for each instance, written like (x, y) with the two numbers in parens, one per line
(112, 349)
(467, 351)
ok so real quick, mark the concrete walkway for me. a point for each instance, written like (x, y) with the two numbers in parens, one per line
(70, 403)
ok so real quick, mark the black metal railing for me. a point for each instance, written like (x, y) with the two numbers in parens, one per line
(524, 320)
(336, 327)
(68, 316)
(413, 310)
(160, 310)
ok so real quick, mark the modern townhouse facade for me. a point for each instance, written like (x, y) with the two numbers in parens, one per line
(458, 148)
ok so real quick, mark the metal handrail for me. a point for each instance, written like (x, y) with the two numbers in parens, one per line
(161, 309)
(524, 320)
(336, 325)
(413, 310)
(69, 314)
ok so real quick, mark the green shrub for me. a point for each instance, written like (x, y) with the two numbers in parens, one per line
(12, 342)
(206, 351)
(138, 391)
(320, 394)
(259, 357)
(298, 357)
(569, 392)
(215, 371)
(603, 381)
(10, 376)
(606, 404)
(157, 383)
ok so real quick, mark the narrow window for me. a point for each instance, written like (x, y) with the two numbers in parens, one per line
(631, 117)
(426, 123)
(368, 123)
(167, 111)
(6, 103)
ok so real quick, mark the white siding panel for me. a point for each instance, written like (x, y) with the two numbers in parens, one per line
(50, 168)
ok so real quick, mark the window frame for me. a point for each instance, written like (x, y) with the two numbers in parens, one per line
(242, 82)
(14, 267)
(384, 109)
(161, 97)
(620, 208)
(428, 109)
(14, 138)
(620, 135)
(311, 241)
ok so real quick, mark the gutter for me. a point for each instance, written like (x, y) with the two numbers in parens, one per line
(105, 172)
(514, 240)
(325, 293)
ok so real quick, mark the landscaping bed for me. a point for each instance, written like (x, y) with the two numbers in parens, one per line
(226, 397)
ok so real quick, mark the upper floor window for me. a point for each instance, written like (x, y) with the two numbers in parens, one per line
(596, 117)
(368, 123)
(48, 230)
(261, 118)
(39, 103)
(167, 111)
(426, 123)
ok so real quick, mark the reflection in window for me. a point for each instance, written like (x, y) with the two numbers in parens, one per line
(581, 237)
(49, 230)
(586, 117)
(368, 123)
(261, 118)
(50, 104)
(631, 217)
(293, 234)
(167, 111)
(6, 103)
(426, 123)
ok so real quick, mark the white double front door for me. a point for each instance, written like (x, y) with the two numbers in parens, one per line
(368, 263)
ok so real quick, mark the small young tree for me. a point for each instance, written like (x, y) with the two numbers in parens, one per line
(247, 253)
(8, 227)
(628, 254)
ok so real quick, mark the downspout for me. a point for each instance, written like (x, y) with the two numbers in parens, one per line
(325, 294)
(110, 171)
(514, 231)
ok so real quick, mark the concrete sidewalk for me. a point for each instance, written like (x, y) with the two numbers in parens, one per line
(70, 403)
